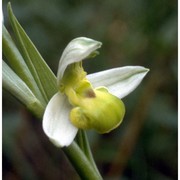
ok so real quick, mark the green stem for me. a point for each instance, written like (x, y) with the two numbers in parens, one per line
(81, 163)
(83, 143)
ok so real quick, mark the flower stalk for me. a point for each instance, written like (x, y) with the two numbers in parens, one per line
(81, 162)
(82, 141)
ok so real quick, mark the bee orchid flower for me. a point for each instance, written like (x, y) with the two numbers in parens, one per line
(87, 101)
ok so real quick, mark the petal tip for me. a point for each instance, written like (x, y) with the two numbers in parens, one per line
(77, 50)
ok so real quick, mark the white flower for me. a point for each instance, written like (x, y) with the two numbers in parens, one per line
(81, 98)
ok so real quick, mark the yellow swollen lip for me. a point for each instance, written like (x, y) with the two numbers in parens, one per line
(92, 108)
(103, 113)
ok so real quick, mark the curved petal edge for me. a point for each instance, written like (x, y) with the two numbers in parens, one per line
(77, 50)
(119, 81)
(56, 123)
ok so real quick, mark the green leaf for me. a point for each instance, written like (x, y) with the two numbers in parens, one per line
(17, 63)
(14, 84)
(42, 74)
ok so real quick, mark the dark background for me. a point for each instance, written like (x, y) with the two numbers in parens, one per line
(133, 33)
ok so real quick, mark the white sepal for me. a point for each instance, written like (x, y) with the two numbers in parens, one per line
(56, 123)
(77, 50)
(119, 81)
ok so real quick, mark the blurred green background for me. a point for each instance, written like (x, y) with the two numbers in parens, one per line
(133, 33)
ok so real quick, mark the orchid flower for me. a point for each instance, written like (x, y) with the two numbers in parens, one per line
(87, 101)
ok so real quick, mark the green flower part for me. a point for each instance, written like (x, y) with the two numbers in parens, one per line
(87, 101)
(93, 108)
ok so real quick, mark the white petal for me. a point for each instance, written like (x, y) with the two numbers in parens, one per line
(119, 81)
(77, 50)
(56, 123)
